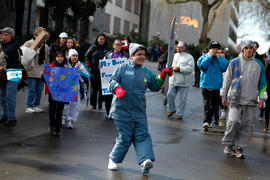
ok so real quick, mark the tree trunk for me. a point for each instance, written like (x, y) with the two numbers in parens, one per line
(205, 29)
(19, 6)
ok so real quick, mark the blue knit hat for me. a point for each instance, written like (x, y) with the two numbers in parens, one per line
(245, 43)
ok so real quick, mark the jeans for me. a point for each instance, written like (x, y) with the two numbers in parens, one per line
(34, 90)
(8, 94)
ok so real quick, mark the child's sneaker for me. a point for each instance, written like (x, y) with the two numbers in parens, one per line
(146, 166)
(112, 165)
(238, 152)
(206, 126)
(228, 150)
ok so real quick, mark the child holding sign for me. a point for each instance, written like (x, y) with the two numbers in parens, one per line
(55, 107)
(71, 110)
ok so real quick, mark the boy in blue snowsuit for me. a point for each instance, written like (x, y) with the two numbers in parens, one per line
(129, 83)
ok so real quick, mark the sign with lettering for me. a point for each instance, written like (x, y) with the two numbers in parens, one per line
(63, 83)
(108, 67)
(14, 75)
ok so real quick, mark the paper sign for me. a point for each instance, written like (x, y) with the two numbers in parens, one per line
(14, 75)
(108, 67)
(63, 83)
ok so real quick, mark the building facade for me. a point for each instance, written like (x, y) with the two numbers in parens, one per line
(118, 17)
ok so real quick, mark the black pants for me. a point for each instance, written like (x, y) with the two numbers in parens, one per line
(96, 90)
(197, 78)
(108, 102)
(211, 102)
(55, 113)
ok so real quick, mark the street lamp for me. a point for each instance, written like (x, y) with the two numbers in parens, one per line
(91, 20)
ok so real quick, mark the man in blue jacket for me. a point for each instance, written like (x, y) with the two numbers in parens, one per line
(212, 66)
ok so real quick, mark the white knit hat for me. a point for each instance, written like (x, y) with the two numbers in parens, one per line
(63, 35)
(72, 52)
(181, 44)
(133, 48)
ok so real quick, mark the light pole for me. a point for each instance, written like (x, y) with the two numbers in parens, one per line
(91, 20)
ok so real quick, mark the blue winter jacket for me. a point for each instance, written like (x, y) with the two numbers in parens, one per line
(211, 71)
(134, 80)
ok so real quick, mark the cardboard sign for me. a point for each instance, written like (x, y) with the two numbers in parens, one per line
(39, 40)
(108, 67)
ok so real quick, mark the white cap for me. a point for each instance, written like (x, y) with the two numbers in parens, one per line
(72, 52)
(181, 44)
(226, 49)
(63, 35)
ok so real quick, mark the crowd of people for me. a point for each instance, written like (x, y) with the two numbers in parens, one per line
(238, 83)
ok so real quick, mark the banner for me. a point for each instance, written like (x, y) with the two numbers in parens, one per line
(63, 83)
(14, 75)
(108, 67)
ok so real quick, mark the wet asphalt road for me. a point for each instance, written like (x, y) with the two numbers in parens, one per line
(183, 151)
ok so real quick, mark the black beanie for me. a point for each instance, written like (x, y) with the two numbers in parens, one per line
(214, 44)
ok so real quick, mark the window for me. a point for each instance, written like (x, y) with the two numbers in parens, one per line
(126, 27)
(128, 5)
(116, 27)
(107, 23)
(137, 7)
(118, 3)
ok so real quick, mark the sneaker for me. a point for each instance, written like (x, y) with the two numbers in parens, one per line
(205, 126)
(238, 152)
(38, 109)
(112, 165)
(70, 124)
(146, 166)
(10, 123)
(56, 133)
(265, 129)
(179, 117)
(50, 131)
(30, 110)
(3, 120)
(228, 150)
(260, 118)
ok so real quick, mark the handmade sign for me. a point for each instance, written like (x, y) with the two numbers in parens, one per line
(63, 83)
(14, 75)
(108, 67)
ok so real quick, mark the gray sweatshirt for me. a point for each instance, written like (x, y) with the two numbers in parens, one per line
(252, 80)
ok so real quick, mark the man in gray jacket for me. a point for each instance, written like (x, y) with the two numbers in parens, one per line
(243, 82)
(183, 65)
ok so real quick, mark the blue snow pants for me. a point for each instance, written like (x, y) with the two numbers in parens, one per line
(132, 131)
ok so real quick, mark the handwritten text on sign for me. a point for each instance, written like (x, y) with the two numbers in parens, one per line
(108, 67)
(63, 83)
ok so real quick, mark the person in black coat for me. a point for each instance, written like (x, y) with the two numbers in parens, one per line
(95, 53)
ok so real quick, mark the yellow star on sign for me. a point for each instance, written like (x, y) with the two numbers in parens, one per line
(75, 88)
(62, 77)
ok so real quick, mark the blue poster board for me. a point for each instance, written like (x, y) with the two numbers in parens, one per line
(63, 83)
